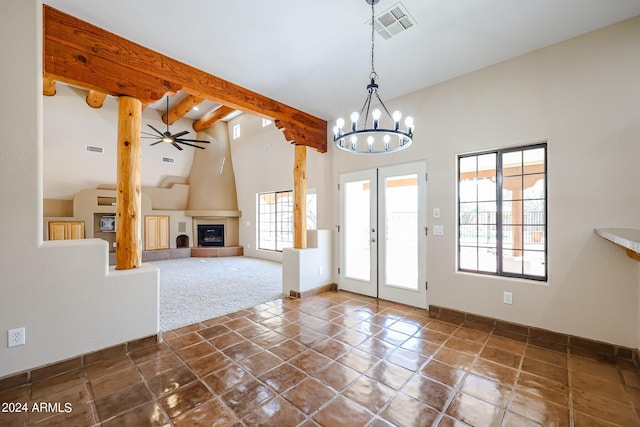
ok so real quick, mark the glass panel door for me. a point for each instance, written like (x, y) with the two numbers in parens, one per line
(382, 235)
(358, 247)
(402, 222)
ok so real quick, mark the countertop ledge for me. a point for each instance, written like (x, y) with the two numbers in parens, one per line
(628, 238)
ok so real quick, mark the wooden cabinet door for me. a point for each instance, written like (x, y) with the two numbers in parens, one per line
(75, 230)
(66, 230)
(156, 232)
(163, 232)
(150, 232)
(57, 230)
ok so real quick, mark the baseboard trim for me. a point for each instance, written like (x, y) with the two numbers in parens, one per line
(60, 367)
(540, 337)
(315, 291)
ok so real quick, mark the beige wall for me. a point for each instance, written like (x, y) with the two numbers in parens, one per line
(582, 96)
(212, 179)
(62, 292)
(263, 162)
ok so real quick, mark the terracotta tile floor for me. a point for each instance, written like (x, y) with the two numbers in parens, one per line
(337, 359)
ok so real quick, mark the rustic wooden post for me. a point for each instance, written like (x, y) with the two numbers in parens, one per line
(300, 197)
(128, 196)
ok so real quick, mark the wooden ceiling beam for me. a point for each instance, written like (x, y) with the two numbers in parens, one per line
(182, 108)
(96, 99)
(210, 118)
(79, 53)
(310, 137)
(48, 86)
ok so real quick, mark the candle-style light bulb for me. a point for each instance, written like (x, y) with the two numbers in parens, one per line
(386, 140)
(409, 124)
(340, 122)
(336, 130)
(354, 141)
(397, 115)
(370, 143)
(376, 117)
(354, 121)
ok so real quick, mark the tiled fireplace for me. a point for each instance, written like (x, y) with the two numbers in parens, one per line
(216, 234)
(210, 235)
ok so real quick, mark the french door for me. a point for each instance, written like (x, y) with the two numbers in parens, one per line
(383, 242)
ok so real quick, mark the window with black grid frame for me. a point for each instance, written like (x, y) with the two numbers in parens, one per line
(275, 220)
(502, 212)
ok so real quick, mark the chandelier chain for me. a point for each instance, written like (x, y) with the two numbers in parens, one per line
(373, 74)
(378, 137)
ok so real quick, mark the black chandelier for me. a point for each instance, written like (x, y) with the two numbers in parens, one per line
(377, 139)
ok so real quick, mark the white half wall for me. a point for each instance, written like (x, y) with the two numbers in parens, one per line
(310, 268)
(62, 292)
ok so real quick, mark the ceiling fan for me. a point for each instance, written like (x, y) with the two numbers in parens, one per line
(173, 139)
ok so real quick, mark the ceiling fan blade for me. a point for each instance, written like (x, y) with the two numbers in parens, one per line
(150, 134)
(159, 133)
(157, 142)
(177, 146)
(184, 132)
(192, 140)
(180, 141)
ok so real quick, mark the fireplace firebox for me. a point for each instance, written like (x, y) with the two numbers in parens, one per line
(211, 235)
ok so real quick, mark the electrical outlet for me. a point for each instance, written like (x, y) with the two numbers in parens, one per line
(507, 298)
(436, 212)
(15, 337)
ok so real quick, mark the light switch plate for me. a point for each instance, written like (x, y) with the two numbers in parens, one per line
(436, 212)
(438, 230)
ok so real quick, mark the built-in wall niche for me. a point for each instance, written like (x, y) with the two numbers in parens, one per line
(104, 227)
(106, 201)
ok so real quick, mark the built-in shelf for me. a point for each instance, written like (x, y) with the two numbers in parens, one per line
(106, 201)
(627, 238)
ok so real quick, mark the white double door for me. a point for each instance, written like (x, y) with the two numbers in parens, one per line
(383, 242)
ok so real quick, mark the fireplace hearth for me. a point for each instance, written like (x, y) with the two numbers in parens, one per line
(210, 235)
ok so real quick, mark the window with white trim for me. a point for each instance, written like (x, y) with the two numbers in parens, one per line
(236, 131)
(502, 212)
(275, 219)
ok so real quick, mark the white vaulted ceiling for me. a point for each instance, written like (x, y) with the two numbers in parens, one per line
(315, 55)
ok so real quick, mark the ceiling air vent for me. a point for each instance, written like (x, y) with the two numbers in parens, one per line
(393, 21)
(94, 149)
(168, 160)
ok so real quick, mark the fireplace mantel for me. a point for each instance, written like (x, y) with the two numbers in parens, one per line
(213, 214)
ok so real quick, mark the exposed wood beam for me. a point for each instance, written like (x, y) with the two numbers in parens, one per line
(182, 108)
(48, 86)
(210, 118)
(311, 137)
(96, 99)
(83, 54)
(128, 186)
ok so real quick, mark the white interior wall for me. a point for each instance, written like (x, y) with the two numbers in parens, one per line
(309, 268)
(582, 96)
(263, 162)
(62, 292)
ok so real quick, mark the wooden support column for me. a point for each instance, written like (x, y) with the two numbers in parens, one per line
(300, 197)
(128, 195)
